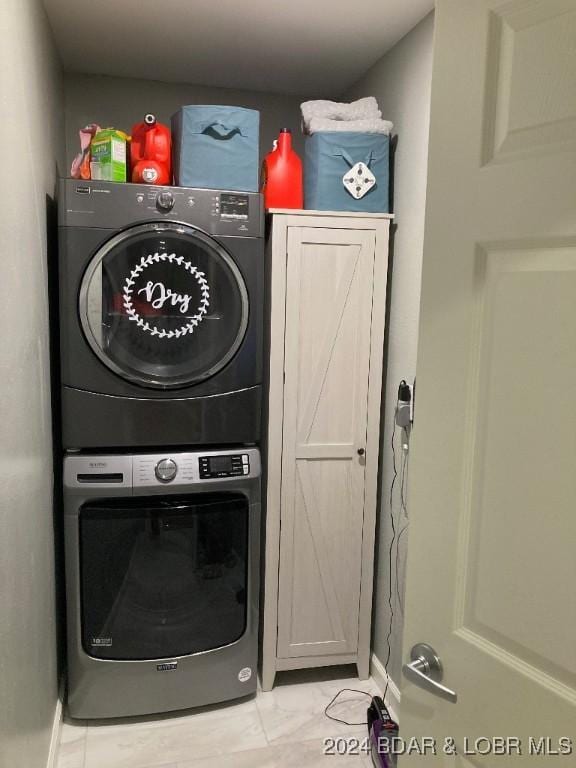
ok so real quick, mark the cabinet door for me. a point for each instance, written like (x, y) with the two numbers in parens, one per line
(327, 351)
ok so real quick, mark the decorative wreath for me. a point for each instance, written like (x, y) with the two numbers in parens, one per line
(156, 258)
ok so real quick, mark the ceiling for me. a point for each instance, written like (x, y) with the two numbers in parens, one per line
(303, 47)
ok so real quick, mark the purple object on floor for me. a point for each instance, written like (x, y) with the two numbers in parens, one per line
(382, 731)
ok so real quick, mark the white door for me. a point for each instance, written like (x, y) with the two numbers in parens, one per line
(327, 352)
(492, 552)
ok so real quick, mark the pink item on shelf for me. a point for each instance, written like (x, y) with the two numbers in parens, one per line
(81, 163)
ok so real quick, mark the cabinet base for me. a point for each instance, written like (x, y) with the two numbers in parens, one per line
(269, 669)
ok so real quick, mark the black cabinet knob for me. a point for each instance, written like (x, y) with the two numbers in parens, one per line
(361, 451)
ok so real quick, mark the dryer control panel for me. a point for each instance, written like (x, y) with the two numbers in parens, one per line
(108, 205)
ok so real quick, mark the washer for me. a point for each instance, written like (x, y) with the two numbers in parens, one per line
(161, 315)
(162, 580)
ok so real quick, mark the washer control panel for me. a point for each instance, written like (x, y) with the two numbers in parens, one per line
(155, 473)
(224, 465)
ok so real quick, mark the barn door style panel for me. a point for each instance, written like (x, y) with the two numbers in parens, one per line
(327, 310)
(326, 366)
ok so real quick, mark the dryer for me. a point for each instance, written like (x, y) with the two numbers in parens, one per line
(161, 295)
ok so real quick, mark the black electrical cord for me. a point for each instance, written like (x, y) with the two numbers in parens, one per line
(337, 719)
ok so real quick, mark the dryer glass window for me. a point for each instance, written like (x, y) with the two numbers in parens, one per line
(163, 579)
(163, 305)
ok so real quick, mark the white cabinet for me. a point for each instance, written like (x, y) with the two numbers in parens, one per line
(328, 298)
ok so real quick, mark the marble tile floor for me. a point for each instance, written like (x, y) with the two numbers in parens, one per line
(284, 728)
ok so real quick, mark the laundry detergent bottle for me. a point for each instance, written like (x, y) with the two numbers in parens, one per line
(282, 185)
(150, 150)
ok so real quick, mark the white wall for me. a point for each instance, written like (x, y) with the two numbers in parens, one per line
(401, 83)
(31, 132)
(121, 102)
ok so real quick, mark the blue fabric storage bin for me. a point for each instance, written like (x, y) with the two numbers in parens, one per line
(327, 158)
(216, 147)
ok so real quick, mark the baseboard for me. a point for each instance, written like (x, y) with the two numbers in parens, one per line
(56, 727)
(385, 683)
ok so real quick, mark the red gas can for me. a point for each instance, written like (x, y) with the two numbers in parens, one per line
(150, 152)
(282, 175)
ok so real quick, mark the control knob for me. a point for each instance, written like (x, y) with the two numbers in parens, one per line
(166, 470)
(165, 201)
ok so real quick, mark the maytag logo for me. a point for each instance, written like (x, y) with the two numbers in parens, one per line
(167, 666)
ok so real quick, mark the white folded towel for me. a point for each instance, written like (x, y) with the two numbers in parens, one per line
(373, 125)
(362, 109)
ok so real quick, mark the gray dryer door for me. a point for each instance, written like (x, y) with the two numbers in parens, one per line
(163, 305)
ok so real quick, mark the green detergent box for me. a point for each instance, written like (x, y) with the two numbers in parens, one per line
(108, 155)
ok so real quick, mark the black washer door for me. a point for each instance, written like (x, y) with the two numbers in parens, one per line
(163, 578)
(163, 305)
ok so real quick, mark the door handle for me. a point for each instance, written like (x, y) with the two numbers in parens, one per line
(425, 670)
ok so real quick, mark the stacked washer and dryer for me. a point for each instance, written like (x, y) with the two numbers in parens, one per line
(161, 337)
